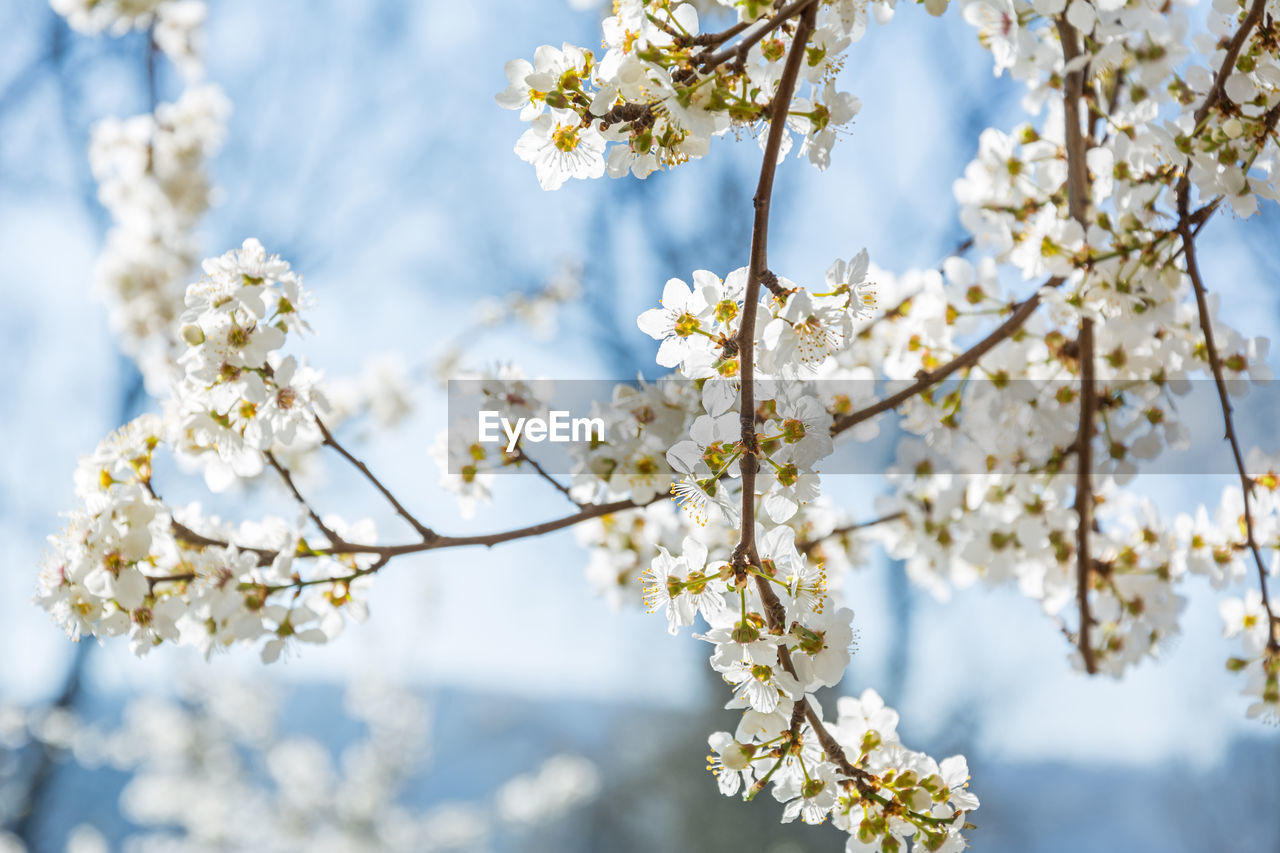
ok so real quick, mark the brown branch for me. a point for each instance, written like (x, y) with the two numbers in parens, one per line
(299, 584)
(834, 750)
(709, 40)
(770, 282)
(426, 532)
(521, 456)
(437, 541)
(807, 547)
(1234, 46)
(1076, 146)
(1084, 490)
(926, 379)
(490, 539)
(1078, 196)
(185, 534)
(334, 538)
(757, 267)
(1215, 364)
(774, 611)
(740, 50)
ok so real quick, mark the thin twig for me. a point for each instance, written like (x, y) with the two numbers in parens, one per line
(437, 542)
(521, 456)
(332, 536)
(927, 379)
(710, 40)
(807, 547)
(185, 534)
(426, 532)
(739, 51)
(1234, 46)
(1215, 364)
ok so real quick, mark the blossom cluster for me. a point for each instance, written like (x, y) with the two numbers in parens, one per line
(127, 564)
(151, 174)
(220, 766)
(857, 774)
(152, 178)
(1178, 128)
(239, 397)
(174, 25)
(664, 87)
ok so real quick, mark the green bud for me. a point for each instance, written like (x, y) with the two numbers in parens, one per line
(745, 632)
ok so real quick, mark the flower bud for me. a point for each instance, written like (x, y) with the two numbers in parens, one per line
(192, 334)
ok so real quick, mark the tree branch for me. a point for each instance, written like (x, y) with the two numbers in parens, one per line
(739, 51)
(807, 547)
(185, 534)
(757, 266)
(437, 541)
(1078, 208)
(927, 379)
(1234, 46)
(521, 456)
(426, 532)
(774, 611)
(334, 538)
(1215, 364)
(1084, 490)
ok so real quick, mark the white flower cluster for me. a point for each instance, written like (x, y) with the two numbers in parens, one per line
(151, 174)
(1170, 134)
(238, 396)
(219, 767)
(1164, 120)
(174, 24)
(151, 171)
(985, 490)
(664, 87)
(127, 564)
(857, 774)
(775, 660)
(989, 488)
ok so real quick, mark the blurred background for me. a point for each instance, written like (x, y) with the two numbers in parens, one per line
(493, 701)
